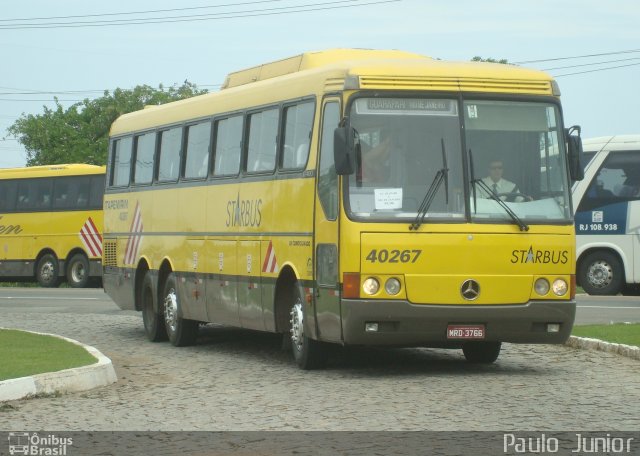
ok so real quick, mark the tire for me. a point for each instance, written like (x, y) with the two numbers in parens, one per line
(181, 332)
(308, 353)
(154, 326)
(78, 271)
(601, 273)
(47, 271)
(481, 352)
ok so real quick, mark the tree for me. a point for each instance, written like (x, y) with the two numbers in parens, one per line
(477, 58)
(80, 134)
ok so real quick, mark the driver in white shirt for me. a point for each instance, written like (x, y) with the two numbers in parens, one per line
(503, 188)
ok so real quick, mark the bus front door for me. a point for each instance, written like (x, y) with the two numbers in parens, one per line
(327, 287)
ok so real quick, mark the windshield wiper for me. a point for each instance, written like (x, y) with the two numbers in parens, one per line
(441, 176)
(473, 187)
(523, 226)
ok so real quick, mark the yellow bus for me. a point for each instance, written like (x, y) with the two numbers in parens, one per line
(51, 224)
(337, 197)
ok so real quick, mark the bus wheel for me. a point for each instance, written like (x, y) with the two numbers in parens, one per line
(481, 352)
(154, 326)
(308, 353)
(47, 271)
(600, 273)
(78, 271)
(181, 332)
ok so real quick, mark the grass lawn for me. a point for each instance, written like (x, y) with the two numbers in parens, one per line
(619, 333)
(24, 353)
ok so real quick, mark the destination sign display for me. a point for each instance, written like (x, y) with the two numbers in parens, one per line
(406, 106)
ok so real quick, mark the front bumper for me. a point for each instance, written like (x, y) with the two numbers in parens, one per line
(404, 324)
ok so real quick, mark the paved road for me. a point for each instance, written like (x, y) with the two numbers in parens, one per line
(239, 380)
(607, 309)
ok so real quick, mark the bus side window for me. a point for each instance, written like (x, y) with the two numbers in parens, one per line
(145, 146)
(24, 197)
(263, 132)
(630, 188)
(61, 191)
(97, 191)
(8, 196)
(43, 195)
(298, 121)
(35, 195)
(121, 163)
(170, 150)
(198, 145)
(228, 133)
(82, 198)
(617, 180)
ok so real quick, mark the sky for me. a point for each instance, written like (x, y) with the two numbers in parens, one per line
(591, 47)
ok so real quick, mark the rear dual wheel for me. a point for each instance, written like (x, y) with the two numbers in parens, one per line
(181, 332)
(165, 321)
(78, 271)
(153, 321)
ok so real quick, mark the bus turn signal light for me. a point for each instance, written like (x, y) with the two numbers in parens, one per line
(351, 285)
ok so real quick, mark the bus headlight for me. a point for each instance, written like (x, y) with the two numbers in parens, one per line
(541, 286)
(370, 286)
(392, 286)
(560, 287)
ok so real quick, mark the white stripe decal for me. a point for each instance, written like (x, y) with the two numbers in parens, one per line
(270, 262)
(133, 243)
(91, 238)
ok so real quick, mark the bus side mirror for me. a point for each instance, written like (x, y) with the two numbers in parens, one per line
(576, 160)
(343, 151)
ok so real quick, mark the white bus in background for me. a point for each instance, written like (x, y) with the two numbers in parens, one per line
(607, 216)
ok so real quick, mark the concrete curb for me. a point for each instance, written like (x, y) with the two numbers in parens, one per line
(628, 351)
(76, 379)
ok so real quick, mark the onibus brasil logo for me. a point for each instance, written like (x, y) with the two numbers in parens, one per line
(31, 443)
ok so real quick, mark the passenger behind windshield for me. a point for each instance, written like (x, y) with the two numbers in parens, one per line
(375, 167)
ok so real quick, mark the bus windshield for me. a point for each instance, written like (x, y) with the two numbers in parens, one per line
(410, 159)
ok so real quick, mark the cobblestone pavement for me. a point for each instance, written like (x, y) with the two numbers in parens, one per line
(240, 380)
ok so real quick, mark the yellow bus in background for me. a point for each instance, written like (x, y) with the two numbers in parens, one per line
(336, 197)
(51, 224)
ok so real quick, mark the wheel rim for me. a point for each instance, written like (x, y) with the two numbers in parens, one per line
(600, 274)
(297, 332)
(78, 272)
(171, 309)
(47, 271)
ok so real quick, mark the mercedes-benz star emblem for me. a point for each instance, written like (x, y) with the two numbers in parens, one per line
(470, 290)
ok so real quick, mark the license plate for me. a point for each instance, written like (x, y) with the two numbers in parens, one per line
(465, 332)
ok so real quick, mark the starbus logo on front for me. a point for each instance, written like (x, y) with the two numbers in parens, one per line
(34, 444)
